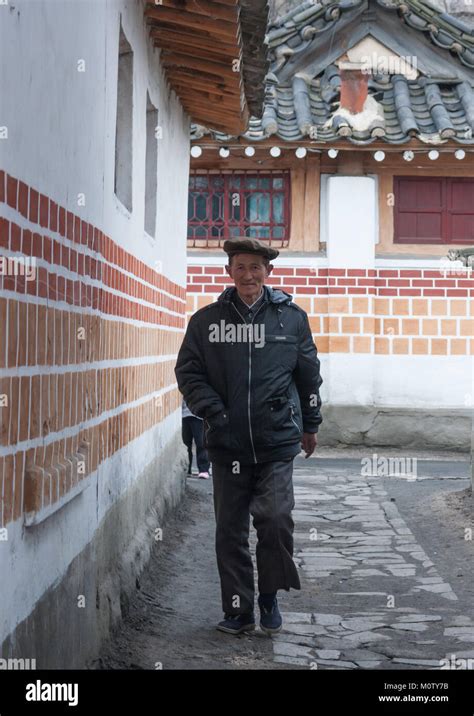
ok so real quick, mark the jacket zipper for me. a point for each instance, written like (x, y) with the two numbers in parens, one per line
(294, 421)
(250, 378)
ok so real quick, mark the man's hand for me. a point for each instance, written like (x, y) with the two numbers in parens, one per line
(308, 443)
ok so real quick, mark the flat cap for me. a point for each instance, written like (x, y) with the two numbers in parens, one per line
(243, 245)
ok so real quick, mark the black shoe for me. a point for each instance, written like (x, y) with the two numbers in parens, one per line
(237, 623)
(270, 617)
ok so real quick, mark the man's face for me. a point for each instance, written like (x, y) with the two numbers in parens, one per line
(249, 272)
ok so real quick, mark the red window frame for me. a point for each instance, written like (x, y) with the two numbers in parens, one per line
(446, 210)
(242, 226)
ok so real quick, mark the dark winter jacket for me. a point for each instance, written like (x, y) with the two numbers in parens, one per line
(256, 396)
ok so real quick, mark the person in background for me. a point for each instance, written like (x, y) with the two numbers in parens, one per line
(192, 429)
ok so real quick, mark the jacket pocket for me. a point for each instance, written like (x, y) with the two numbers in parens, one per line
(282, 423)
(217, 430)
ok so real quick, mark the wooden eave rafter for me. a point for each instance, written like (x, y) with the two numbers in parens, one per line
(201, 43)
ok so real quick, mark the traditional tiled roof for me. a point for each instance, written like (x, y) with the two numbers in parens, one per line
(302, 99)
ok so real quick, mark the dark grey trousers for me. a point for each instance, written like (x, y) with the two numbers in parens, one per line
(264, 491)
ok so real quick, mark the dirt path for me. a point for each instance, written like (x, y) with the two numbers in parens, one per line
(172, 620)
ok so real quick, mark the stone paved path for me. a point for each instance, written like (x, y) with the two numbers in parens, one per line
(379, 600)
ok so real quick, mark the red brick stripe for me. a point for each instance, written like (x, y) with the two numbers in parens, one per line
(49, 215)
(339, 281)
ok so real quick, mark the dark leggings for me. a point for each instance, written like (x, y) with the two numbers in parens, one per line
(193, 429)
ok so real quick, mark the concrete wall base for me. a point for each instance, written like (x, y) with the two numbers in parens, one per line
(395, 427)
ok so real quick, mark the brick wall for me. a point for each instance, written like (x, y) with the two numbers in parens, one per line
(87, 350)
(397, 311)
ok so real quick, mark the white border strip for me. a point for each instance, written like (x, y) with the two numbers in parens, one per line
(61, 369)
(288, 261)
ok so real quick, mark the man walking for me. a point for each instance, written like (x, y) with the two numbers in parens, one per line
(248, 366)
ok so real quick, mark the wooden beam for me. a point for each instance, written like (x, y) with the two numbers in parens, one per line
(238, 96)
(311, 204)
(210, 54)
(208, 80)
(344, 145)
(213, 10)
(219, 114)
(201, 101)
(297, 208)
(209, 98)
(179, 19)
(232, 124)
(201, 98)
(174, 59)
(205, 89)
(203, 104)
(350, 164)
(212, 161)
(178, 77)
(167, 36)
(385, 212)
(199, 54)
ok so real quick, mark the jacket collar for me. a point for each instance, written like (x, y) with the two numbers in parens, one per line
(272, 295)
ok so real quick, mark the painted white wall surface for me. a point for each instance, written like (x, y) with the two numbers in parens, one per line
(409, 381)
(351, 220)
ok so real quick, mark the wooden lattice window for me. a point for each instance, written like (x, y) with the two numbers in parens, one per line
(434, 210)
(254, 204)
